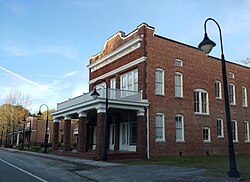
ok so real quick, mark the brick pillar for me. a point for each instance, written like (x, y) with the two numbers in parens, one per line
(100, 134)
(55, 135)
(82, 133)
(67, 133)
(141, 135)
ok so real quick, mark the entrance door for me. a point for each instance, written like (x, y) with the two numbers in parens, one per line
(124, 136)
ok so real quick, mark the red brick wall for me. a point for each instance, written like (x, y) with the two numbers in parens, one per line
(199, 71)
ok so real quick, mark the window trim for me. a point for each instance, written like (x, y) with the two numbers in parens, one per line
(182, 128)
(234, 98)
(236, 131)
(200, 91)
(163, 139)
(244, 96)
(156, 81)
(209, 135)
(247, 132)
(221, 129)
(181, 84)
(179, 61)
(218, 90)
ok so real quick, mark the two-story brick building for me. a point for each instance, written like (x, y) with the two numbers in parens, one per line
(165, 98)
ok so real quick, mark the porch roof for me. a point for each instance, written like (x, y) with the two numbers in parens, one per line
(122, 99)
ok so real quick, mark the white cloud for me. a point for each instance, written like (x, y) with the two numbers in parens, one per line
(65, 51)
(70, 74)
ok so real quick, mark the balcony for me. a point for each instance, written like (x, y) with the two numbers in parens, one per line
(113, 94)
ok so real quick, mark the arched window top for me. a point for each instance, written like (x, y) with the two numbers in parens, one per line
(200, 90)
(178, 62)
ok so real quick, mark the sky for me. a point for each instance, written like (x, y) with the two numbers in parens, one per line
(45, 45)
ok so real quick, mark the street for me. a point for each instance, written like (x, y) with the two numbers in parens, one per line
(18, 167)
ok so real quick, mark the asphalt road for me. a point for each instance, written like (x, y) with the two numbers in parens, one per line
(18, 167)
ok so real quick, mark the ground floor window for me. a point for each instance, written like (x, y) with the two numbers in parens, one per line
(246, 131)
(234, 131)
(219, 125)
(206, 134)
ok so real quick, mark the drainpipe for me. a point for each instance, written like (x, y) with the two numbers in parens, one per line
(148, 152)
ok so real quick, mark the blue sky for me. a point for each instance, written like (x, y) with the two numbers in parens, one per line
(45, 45)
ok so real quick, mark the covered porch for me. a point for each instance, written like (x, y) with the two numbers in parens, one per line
(126, 134)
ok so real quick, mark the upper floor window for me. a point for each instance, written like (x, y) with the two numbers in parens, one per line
(244, 96)
(178, 84)
(246, 131)
(217, 89)
(201, 101)
(231, 75)
(179, 127)
(206, 134)
(129, 81)
(219, 126)
(159, 81)
(178, 62)
(159, 127)
(232, 94)
(234, 131)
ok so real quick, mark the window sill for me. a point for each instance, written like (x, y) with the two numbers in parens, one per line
(207, 142)
(201, 114)
(160, 95)
(179, 97)
(180, 141)
(220, 137)
(218, 98)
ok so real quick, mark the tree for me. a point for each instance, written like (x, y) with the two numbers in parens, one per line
(14, 109)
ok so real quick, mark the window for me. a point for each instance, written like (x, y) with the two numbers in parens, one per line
(244, 96)
(234, 131)
(179, 127)
(219, 125)
(178, 62)
(178, 84)
(112, 88)
(232, 94)
(206, 134)
(159, 81)
(217, 89)
(246, 131)
(231, 75)
(159, 126)
(129, 81)
(200, 101)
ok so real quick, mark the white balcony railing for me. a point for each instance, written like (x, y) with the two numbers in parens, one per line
(113, 94)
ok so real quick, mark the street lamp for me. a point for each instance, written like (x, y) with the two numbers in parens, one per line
(206, 46)
(46, 127)
(2, 136)
(95, 95)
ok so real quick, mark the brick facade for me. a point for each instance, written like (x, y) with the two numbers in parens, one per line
(199, 71)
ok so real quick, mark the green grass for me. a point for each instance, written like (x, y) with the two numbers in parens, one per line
(216, 165)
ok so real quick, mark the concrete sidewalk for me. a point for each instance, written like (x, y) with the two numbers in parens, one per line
(108, 171)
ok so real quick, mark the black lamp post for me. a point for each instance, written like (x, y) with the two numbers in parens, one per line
(95, 95)
(2, 136)
(206, 45)
(46, 127)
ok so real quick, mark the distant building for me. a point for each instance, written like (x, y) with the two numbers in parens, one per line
(165, 98)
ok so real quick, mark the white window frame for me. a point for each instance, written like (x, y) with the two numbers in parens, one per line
(220, 129)
(178, 84)
(246, 132)
(232, 98)
(208, 140)
(159, 82)
(218, 94)
(129, 81)
(234, 131)
(162, 139)
(178, 62)
(177, 128)
(244, 96)
(200, 93)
